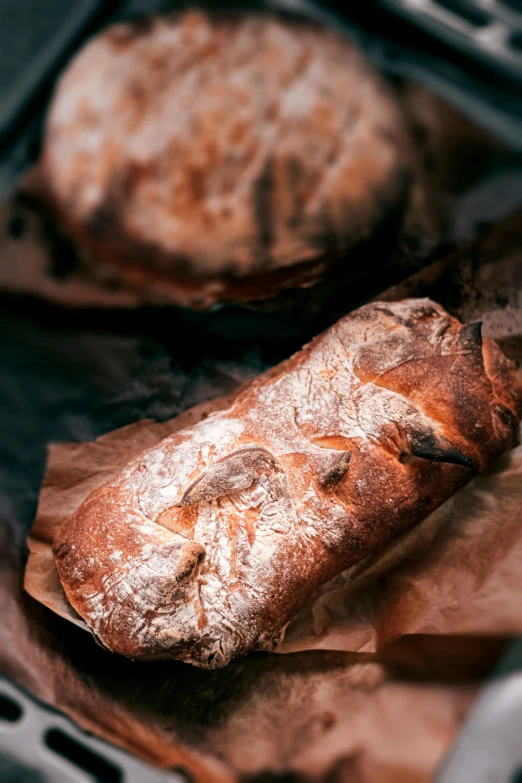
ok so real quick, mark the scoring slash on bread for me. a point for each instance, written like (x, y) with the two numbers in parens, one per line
(205, 546)
(225, 156)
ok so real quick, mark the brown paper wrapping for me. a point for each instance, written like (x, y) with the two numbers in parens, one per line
(379, 669)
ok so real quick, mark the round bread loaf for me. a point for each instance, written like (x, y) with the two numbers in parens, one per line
(229, 155)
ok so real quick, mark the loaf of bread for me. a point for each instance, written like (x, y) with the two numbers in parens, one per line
(206, 545)
(225, 156)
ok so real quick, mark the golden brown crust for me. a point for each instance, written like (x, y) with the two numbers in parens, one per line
(219, 153)
(207, 544)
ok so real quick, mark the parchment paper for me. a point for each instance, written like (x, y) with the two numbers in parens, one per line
(452, 587)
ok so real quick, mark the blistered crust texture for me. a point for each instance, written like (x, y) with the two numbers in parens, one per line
(206, 545)
(219, 147)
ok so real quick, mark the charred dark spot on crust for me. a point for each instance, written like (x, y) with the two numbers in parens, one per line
(61, 551)
(337, 471)
(407, 322)
(386, 311)
(263, 205)
(470, 337)
(424, 311)
(418, 313)
(428, 445)
(509, 420)
(190, 565)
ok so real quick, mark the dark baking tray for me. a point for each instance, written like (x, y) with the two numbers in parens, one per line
(72, 375)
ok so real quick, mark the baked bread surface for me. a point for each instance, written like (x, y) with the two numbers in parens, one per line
(206, 545)
(229, 154)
